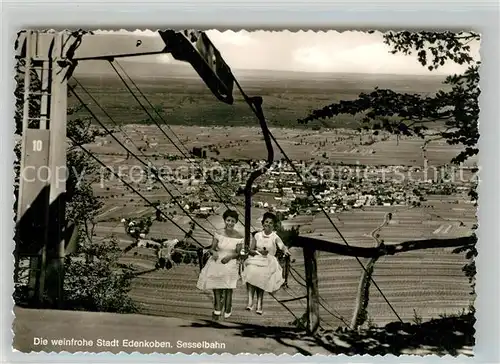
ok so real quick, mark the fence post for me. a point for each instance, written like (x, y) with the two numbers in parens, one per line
(360, 313)
(311, 270)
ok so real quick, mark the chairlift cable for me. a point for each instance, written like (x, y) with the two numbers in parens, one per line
(247, 100)
(168, 126)
(141, 161)
(116, 123)
(134, 190)
(322, 304)
(164, 121)
(336, 228)
(152, 107)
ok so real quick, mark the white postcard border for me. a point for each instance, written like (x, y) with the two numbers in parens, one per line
(482, 16)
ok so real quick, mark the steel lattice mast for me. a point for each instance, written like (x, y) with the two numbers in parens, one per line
(42, 233)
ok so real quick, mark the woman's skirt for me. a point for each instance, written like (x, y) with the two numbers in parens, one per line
(263, 272)
(216, 275)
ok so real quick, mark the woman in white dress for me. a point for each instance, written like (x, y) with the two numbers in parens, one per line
(220, 273)
(262, 271)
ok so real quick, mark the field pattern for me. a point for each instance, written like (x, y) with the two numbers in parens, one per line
(341, 145)
(438, 285)
(426, 283)
(183, 99)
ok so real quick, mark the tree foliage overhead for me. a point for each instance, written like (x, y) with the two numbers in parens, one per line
(456, 107)
(454, 110)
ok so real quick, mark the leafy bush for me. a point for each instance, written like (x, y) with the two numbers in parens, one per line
(96, 281)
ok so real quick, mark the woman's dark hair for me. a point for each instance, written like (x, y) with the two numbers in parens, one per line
(230, 213)
(269, 215)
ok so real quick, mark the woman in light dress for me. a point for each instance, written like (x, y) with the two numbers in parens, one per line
(220, 273)
(262, 271)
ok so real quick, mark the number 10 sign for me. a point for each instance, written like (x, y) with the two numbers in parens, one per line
(34, 176)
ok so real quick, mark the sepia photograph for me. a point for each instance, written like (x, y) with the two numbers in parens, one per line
(262, 192)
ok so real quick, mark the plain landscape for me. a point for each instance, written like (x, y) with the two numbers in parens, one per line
(426, 283)
(422, 285)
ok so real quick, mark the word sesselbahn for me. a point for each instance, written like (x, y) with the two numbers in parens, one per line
(128, 343)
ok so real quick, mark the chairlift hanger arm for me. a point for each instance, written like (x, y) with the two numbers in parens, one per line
(257, 104)
(191, 46)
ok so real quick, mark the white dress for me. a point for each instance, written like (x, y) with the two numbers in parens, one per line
(262, 271)
(215, 274)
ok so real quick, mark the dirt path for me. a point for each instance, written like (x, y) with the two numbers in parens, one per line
(378, 228)
(45, 330)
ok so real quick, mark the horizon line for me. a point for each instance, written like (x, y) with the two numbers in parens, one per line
(433, 75)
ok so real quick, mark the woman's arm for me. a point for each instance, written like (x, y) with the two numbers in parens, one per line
(281, 245)
(238, 249)
(252, 250)
(233, 255)
(213, 248)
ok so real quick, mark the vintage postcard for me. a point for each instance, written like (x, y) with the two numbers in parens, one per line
(187, 191)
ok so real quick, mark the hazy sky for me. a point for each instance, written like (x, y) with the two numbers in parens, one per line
(332, 51)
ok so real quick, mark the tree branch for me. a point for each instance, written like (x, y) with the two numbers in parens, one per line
(382, 250)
